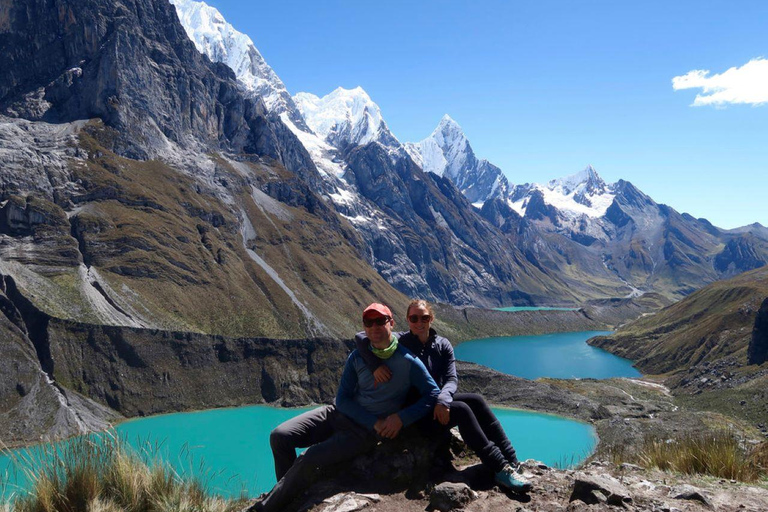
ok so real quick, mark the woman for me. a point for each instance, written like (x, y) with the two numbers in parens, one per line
(479, 427)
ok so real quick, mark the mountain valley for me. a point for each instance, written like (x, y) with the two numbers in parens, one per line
(178, 232)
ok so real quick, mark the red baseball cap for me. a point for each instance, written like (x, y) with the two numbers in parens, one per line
(381, 309)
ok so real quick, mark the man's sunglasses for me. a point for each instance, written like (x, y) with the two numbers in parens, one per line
(415, 318)
(379, 320)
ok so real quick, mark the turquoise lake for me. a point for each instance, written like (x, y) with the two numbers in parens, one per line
(233, 444)
(560, 355)
(534, 308)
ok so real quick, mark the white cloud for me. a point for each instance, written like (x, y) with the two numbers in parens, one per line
(747, 84)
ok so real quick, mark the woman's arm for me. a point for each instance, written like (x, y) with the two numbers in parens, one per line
(450, 378)
(381, 372)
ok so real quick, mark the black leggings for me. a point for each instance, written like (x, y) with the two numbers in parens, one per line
(481, 430)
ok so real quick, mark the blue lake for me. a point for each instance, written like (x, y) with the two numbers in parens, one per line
(534, 308)
(560, 355)
(233, 444)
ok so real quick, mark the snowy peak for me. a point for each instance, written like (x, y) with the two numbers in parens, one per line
(219, 40)
(583, 193)
(345, 116)
(450, 138)
(448, 133)
(447, 152)
(586, 181)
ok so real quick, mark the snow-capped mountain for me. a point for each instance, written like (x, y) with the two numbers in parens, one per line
(596, 237)
(583, 193)
(447, 152)
(219, 40)
(345, 116)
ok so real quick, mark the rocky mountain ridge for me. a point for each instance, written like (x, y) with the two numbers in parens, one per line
(579, 227)
(250, 176)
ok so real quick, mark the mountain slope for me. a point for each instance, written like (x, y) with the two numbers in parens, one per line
(184, 241)
(701, 345)
(712, 323)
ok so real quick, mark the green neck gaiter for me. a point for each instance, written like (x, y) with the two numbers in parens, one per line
(386, 353)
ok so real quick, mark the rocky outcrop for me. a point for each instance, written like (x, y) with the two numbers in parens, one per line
(132, 65)
(139, 372)
(599, 486)
(33, 407)
(757, 352)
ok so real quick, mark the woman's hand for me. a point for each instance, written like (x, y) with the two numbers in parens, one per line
(381, 375)
(442, 414)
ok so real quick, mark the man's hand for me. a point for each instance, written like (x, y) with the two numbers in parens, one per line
(378, 426)
(442, 414)
(389, 427)
(381, 375)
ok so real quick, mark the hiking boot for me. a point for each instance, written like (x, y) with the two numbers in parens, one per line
(510, 479)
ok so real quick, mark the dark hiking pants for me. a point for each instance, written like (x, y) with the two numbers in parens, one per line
(481, 430)
(330, 437)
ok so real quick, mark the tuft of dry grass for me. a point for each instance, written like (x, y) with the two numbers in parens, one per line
(98, 474)
(759, 457)
(718, 454)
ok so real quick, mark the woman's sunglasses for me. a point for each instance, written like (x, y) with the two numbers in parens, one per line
(415, 318)
(379, 320)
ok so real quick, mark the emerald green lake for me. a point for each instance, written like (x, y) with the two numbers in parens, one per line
(233, 444)
(559, 355)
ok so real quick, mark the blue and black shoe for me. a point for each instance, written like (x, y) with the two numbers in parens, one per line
(509, 478)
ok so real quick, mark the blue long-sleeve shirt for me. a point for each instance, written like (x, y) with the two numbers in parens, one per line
(365, 403)
(436, 354)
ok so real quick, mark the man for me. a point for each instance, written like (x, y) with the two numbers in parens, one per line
(364, 413)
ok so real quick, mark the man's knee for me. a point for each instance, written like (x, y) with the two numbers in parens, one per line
(280, 438)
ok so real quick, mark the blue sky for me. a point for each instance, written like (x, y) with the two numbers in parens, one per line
(543, 88)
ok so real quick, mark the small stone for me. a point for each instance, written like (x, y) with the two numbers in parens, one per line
(690, 493)
(577, 506)
(450, 496)
(346, 502)
(613, 492)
